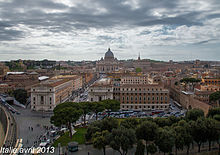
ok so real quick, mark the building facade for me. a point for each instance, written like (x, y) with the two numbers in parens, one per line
(142, 97)
(77, 80)
(48, 94)
(108, 64)
(211, 81)
(133, 95)
(101, 90)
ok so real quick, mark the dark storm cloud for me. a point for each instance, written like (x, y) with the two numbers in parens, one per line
(169, 21)
(57, 26)
(32, 13)
(213, 16)
(7, 33)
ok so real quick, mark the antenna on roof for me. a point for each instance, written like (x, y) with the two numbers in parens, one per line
(139, 56)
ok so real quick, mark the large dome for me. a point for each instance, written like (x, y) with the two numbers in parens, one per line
(109, 54)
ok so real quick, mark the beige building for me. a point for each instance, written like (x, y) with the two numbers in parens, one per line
(108, 64)
(205, 91)
(46, 95)
(136, 94)
(134, 79)
(77, 80)
(142, 97)
(101, 90)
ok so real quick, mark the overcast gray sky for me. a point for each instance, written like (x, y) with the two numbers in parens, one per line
(84, 29)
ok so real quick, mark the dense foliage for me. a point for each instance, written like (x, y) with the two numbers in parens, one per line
(214, 96)
(190, 80)
(151, 135)
(20, 95)
(160, 134)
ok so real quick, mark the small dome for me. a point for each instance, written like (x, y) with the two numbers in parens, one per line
(109, 54)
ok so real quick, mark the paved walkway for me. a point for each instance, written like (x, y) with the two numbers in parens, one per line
(27, 120)
(2, 135)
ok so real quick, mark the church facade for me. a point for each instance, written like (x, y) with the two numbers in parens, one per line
(107, 65)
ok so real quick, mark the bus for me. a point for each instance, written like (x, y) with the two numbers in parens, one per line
(177, 104)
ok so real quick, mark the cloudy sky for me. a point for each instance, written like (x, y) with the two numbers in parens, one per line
(84, 29)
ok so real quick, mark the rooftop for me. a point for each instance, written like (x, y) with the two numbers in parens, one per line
(52, 82)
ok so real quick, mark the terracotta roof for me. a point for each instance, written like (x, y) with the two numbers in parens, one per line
(53, 82)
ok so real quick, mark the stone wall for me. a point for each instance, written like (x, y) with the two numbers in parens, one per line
(188, 101)
(3, 120)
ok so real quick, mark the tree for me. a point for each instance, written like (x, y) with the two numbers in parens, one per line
(186, 134)
(217, 117)
(100, 140)
(66, 116)
(173, 119)
(140, 148)
(165, 139)
(162, 122)
(97, 107)
(213, 111)
(122, 139)
(67, 104)
(20, 95)
(199, 131)
(86, 107)
(92, 129)
(212, 133)
(180, 133)
(108, 124)
(151, 148)
(194, 114)
(111, 105)
(190, 80)
(138, 70)
(148, 131)
(214, 96)
(129, 123)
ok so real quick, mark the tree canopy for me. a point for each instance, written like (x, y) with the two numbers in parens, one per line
(20, 95)
(214, 96)
(190, 80)
(194, 114)
(112, 105)
(122, 139)
(66, 116)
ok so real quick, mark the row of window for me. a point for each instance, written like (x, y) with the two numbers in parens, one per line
(212, 82)
(143, 107)
(133, 82)
(41, 98)
(35, 107)
(41, 102)
(130, 80)
(150, 94)
(136, 89)
(136, 102)
(144, 98)
(34, 89)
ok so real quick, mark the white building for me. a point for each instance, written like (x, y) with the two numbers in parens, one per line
(46, 95)
(101, 90)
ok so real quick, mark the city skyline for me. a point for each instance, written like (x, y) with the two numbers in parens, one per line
(74, 30)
